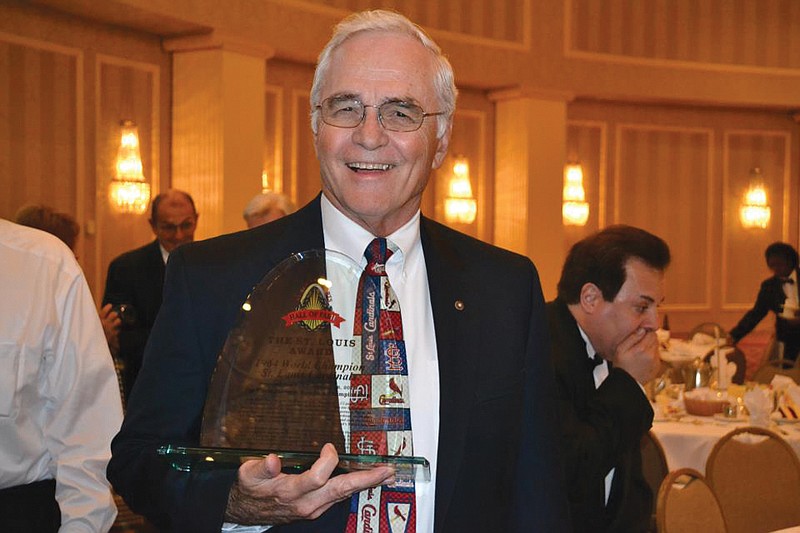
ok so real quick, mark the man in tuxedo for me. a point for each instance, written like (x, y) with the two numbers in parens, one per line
(602, 329)
(779, 295)
(473, 323)
(136, 278)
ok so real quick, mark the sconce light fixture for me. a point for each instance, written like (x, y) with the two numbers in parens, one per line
(754, 211)
(575, 209)
(460, 206)
(129, 192)
(264, 182)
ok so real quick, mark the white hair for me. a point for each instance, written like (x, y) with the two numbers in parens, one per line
(388, 22)
(263, 203)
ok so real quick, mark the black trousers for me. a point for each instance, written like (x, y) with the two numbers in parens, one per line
(30, 508)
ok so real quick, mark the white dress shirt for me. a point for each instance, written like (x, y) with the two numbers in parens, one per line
(409, 280)
(599, 374)
(59, 396)
(791, 304)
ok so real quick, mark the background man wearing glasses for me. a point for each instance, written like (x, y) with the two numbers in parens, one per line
(136, 278)
(473, 325)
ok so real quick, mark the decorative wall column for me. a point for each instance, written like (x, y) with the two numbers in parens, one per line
(218, 129)
(530, 152)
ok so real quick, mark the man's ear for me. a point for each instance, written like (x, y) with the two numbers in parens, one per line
(441, 147)
(591, 296)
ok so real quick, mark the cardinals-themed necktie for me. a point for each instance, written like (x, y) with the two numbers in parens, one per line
(380, 414)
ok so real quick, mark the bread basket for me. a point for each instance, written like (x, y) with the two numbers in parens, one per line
(703, 402)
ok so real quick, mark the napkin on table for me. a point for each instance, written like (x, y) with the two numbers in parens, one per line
(791, 397)
(782, 383)
(759, 404)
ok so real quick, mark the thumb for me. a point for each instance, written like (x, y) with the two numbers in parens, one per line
(263, 469)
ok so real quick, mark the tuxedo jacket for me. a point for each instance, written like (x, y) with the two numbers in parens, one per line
(136, 279)
(492, 350)
(601, 428)
(770, 298)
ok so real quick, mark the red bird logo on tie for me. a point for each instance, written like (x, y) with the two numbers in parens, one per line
(395, 387)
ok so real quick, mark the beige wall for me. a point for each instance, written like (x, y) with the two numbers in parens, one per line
(65, 85)
(681, 173)
(667, 105)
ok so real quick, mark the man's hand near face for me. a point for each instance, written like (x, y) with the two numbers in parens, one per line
(638, 355)
(263, 495)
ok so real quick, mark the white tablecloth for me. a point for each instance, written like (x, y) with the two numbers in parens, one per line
(688, 442)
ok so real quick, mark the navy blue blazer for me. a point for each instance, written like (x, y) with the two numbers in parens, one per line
(491, 353)
(135, 278)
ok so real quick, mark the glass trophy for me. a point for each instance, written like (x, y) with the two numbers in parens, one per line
(282, 382)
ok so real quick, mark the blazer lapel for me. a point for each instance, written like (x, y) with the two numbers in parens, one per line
(457, 366)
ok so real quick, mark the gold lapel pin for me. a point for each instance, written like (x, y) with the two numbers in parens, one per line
(459, 305)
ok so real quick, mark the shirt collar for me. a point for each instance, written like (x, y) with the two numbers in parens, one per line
(164, 253)
(343, 235)
(590, 351)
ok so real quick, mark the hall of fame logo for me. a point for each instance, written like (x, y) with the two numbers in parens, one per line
(314, 311)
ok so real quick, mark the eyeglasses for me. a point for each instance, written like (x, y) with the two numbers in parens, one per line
(185, 226)
(393, 115)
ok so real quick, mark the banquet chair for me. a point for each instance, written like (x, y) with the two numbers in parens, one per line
(710, 329)
(735, 356)
(756, 477)
(687, 504)
(772, 351)
(770, 368)
(654, 467)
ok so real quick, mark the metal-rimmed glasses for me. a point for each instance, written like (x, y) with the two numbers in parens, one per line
(186, 226)
(393, 115)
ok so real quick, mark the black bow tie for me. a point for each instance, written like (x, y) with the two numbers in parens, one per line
(787, 280)
(594, 361)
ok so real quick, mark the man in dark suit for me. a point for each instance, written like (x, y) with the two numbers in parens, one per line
(136, 278)
(602, 329)
(779, 295)
(473, 323)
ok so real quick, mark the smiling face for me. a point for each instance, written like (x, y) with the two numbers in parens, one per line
(635, 306)
(374, 176)
(175, 222)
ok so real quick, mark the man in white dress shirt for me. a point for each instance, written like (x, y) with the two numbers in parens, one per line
(59, 396)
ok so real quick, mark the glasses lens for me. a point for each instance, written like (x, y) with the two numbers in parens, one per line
(342, 112)
(185, 226)
(401, 116)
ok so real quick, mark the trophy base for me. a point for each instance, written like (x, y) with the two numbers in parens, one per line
(194, 459)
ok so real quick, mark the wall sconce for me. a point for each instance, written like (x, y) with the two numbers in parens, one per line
(129, 192)
(264, 182)
(755, 212)
(460, 206)
(575, 209)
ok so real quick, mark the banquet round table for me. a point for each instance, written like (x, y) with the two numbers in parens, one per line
(687, 440)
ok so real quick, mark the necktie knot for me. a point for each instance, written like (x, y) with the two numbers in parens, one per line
(594, 361)
(377, 253)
